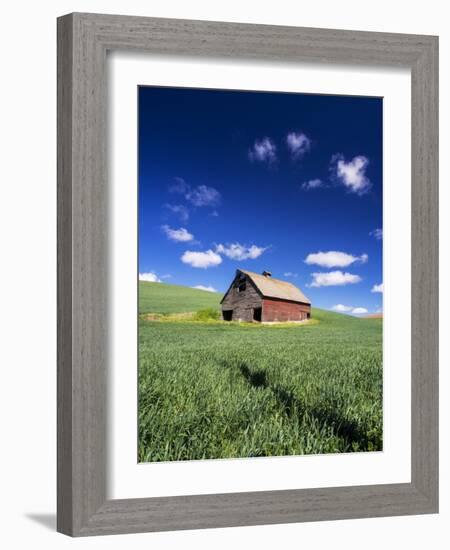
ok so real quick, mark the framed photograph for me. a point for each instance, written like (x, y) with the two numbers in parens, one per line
(247, 274)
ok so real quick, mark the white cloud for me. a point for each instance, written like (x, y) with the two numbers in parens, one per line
(263, 151)
(207, 288)
(352, 174)
(237, 251)
(377, 288)
(180, 186)
(181, 235)
(377, 233)
(178, 209)
(334, 258)
(290, 274)
(349, 309)
(359, 310)
(202, 260)
(334, 278)
(150, 277)
(202, 195)
(341, 308)
(312, 184)
(166, 276)
(298, 144)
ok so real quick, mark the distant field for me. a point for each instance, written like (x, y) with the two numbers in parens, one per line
(222, 390)
(163, 298)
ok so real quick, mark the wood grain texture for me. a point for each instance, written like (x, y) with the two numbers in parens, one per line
(83, 40)
(64, 274)
(425, 273)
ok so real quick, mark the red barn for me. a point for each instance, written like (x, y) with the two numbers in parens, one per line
(254, 297)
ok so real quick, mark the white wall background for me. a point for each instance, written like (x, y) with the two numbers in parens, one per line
(28, 273)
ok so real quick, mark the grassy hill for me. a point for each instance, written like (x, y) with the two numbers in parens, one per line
(222, 390)
(164, 298)
(167, 298)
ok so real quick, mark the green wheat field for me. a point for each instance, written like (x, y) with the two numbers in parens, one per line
(214, 389)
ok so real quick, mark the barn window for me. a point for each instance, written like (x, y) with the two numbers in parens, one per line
(241, 283)
(242, 286)
(308, 315)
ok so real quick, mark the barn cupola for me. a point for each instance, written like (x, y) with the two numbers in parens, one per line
(267, 274)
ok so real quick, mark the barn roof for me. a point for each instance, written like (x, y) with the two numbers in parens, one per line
(275, 288)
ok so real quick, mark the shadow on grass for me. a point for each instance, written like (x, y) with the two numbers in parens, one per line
(291, 405)
(256, 378)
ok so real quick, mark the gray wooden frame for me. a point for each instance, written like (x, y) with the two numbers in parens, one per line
(83, 40)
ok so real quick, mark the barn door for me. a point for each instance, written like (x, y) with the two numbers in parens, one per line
(227, 315)
(257, 314)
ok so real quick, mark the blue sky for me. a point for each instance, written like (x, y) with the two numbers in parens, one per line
(289, 183)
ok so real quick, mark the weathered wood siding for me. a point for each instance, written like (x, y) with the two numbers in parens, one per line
(242, 303)
(281, 310)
